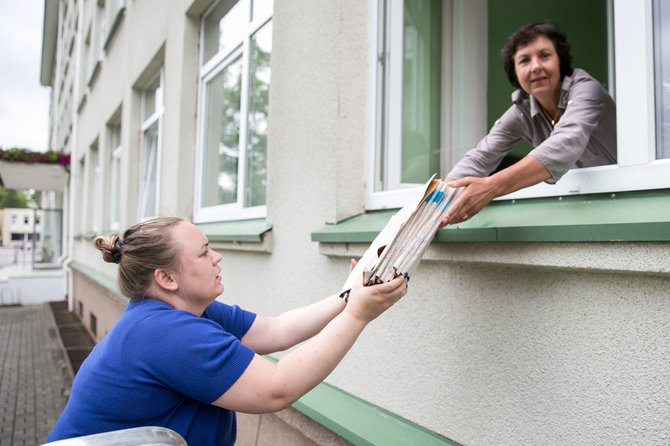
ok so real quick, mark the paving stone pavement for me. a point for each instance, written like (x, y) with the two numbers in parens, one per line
(34, 376)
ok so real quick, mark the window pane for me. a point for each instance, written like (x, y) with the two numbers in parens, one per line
(148, 172)
(421, 95)
(115, 177)
(222, 136)
(225, 26)
(662, 67)
(261, 46)
(261, 8)
(151, 98)
(95, 198)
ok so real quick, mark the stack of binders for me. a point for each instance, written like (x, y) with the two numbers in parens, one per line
(402, 255)
(399, 246)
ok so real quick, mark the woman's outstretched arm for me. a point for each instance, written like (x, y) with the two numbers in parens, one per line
(267, 386)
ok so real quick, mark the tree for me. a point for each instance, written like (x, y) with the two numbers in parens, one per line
(10, 198)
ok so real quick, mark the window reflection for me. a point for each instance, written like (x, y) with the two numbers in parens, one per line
(222, 135)
(261, 46)
(662, 69)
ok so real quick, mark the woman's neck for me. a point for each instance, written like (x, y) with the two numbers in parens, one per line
(550, 105)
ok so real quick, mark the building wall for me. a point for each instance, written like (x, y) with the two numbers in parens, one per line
(90, 302)
(495, 343)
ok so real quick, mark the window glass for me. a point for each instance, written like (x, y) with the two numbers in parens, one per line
(115, 177)
(421, 90)
(662, 75)
(95, 197)
(261, 9)
(224, 27)
(257, 128)
(148, 161)
(222, 135)
(150, 98)
(150, 148)
(409, 93)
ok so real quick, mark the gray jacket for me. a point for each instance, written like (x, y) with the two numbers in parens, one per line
(584, 136)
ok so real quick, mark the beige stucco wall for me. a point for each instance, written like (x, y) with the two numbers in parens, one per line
(495, 344)
(89, 299)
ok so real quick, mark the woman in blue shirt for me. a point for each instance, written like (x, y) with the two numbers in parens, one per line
(180, 359)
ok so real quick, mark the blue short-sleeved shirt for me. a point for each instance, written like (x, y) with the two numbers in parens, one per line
(159, 366)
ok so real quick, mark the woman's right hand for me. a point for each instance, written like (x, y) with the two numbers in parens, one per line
(367, 302)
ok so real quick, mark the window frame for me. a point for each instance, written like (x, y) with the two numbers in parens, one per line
(208, 70)
(156, 118)
(95, 197)
(633, 72)
(116, 150)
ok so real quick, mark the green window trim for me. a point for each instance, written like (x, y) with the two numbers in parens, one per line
(99, 278)
(360, 422)
(236, 230)
(622, 216)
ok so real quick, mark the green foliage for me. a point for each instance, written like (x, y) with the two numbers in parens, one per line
(12, 199)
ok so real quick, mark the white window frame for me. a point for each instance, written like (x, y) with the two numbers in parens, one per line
(210, 69)
(95, 198)
(637, 167)
(464, 61)
(115, 179)
(153, 163)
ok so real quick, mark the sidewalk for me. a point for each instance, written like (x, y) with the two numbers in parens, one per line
(35, 377)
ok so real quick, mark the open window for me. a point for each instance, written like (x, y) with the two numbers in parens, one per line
(440, 85)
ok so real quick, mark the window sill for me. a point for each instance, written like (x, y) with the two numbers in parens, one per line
(625, 216)
(244, 235)
(359, 421)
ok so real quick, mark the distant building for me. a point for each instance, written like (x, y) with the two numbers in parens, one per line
(20, 227)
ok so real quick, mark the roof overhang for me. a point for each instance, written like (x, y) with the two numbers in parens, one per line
(33, 176)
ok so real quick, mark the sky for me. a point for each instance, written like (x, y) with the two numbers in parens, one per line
(24, 103)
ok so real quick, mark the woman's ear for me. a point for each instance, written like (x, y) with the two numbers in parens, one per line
(165, 280)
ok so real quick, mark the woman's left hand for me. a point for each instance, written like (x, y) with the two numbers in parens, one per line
(477, 193)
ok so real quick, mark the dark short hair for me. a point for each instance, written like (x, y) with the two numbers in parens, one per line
(526, 34)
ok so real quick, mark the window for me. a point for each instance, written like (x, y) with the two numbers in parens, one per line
(113, 13)
(235, 74)
(434, 101)
(82, 192)
(115, 172)
(94, 42)
(150, 148)
(95, 197)
(428, 55)
(93, 322)
(662, 76)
